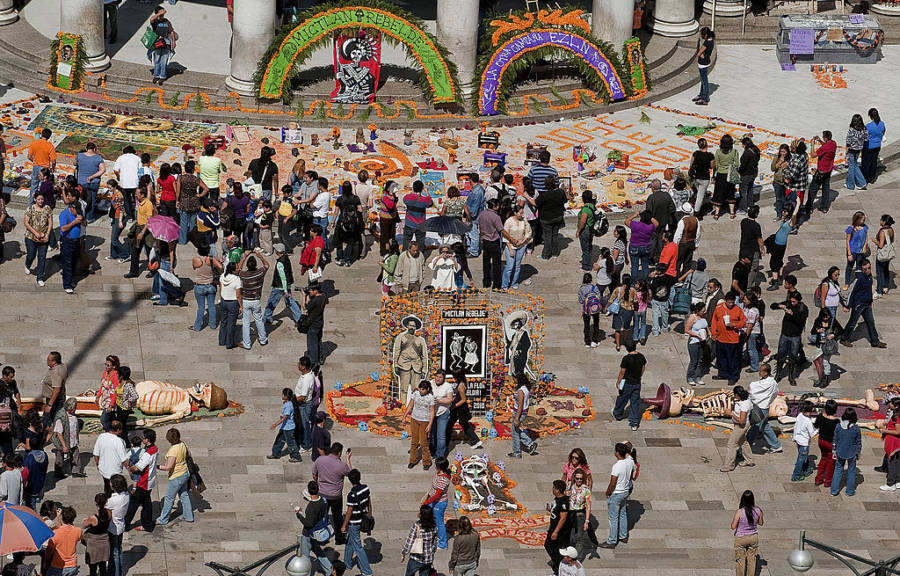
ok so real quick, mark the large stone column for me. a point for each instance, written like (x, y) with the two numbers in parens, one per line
(253, 29)
(675, 18)
(728, 8)
(8, 13)
(85, 18)
(611, 21)
(457, 30)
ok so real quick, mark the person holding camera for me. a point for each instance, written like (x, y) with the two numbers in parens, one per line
(313, 302)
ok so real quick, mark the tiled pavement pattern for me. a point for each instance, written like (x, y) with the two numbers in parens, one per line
(682, 505)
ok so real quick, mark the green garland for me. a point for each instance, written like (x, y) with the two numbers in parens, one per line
(590, 76)
(77, 65)
(313, 46)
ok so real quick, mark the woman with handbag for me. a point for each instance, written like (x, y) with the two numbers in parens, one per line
(421, 543)
(206, 270)
(725, 166)
(38, 228)
(179, 476)
(163, 47)
(95, 537)
(230, 285)
(126, 399)
(697, 329)
(190, 192)
(311, 257)
(884, 253)
(621, 306)
(825, 333)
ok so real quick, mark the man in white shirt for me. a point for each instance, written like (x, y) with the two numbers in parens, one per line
(762, 392)
(443, 398)
(620, 484)
(118, 508)
(126, 168)
(804, 430)
(570, 566)
(110, 454)
(303, 392)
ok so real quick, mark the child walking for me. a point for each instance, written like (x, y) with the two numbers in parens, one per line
(285, 426)
(804, 430)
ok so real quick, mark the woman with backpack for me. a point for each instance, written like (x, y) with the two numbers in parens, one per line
(591, 304)
(642, 302)
(348, 227)
(825, 333)
(584, 233)
(884, 253)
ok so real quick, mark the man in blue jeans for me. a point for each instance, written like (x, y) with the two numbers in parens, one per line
(762, 392)
(629, 384)
(359, 505)
(314, 302)
(520, 436)
(70, 233)
(620, 484)
(282, 283)
(303, 392)
(860, 302)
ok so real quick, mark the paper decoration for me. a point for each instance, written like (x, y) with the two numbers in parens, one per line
(802, 41)
(357, 67)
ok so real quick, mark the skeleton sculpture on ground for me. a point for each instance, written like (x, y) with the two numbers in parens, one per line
(483, 490)
(157, 398)
(717, 404)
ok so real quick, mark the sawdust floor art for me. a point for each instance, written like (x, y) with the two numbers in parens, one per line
(74, 143)
(554, 409)
(654, 138)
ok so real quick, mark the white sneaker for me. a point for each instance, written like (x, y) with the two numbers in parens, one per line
(888, 487)
(876, 296)
(698, 382)
(41, 283)
(594, 344)
(69, 291)
(478, 446)
(27, 270)
(587, 345)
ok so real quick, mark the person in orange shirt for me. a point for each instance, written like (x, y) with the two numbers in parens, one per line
(669, 256)
(61, 558)
(42, 154)
(727, 322)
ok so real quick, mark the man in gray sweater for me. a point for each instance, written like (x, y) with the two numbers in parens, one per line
(11, 482)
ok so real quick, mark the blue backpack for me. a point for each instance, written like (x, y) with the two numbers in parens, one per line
(592, 302)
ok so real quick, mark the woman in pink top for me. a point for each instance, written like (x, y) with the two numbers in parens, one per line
(577, 460)
(746, 521)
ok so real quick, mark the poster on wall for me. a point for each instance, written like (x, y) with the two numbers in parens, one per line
(63, 73)
(357, 66)
(464, 347)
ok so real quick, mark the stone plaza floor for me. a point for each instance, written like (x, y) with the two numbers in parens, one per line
(682, 505)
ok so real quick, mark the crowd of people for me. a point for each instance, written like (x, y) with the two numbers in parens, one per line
(651, 271)
(126, 462)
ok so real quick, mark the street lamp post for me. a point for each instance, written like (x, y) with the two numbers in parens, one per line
(801, 559)
(296, 565)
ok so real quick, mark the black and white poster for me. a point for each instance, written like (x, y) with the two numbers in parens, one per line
(464, 347)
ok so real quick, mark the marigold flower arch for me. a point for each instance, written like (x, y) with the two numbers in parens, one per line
(299, 43)
(540, 39)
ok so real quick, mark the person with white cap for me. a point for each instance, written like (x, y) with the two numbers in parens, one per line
(687, 237)
(570, 566)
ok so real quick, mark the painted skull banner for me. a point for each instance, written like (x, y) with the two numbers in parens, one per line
(357, 65)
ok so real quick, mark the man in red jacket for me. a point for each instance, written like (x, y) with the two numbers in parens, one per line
(727, 322)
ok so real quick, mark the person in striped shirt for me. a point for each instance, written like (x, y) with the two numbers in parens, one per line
(540, 171)
(358, 505)
(417, 204)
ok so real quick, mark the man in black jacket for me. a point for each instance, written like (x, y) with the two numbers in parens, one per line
(313, 520)
(789, 344)
(662, 208)
(748, 169)
(551, 206)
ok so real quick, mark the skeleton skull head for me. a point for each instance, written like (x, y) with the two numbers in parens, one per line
(209, 395)
(778, 407)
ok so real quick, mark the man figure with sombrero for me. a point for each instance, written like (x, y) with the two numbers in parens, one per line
(410, 355)
(518, 342)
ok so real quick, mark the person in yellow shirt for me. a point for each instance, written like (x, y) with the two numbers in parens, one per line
(145, 209)
(42, 154)
(176, 466)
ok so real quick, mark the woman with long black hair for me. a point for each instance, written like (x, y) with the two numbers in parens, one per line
(876, 129)
(460, 412)
(421, 542)
(745, 523)
(857, 140)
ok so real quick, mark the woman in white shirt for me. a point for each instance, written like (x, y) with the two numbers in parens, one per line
(230, 284)
(520, 233)
(740, 417)
(445, 268)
